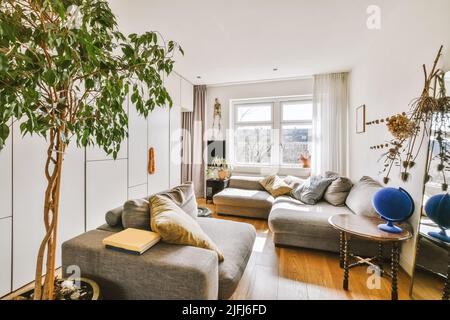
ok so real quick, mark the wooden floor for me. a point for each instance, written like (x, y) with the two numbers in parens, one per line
(302, 274)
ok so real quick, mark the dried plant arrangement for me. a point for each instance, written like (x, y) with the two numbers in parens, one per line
(411, 129)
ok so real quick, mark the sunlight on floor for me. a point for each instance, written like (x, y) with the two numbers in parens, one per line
(260, 242)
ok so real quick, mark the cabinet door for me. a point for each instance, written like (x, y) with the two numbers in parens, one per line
(173, 86)
(28, 202)
(137, 148)
(5, 256)
(175, 146)
(137, 192)
(158, 139)
(6, 179)
(106, 188)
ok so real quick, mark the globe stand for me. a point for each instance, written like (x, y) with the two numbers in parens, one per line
(440, 235)
(390, 227)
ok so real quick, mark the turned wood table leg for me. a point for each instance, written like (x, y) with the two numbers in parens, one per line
(395, 257)
(446, 293)
(341, 249)
(346, 261)
(380, 257)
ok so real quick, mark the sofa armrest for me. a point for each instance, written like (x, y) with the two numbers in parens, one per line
(165, 271)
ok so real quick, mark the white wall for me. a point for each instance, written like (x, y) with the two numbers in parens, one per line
(387, 77)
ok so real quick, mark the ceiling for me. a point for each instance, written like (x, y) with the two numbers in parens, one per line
(235, 40)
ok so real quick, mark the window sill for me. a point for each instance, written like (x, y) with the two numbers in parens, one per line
(265, 170)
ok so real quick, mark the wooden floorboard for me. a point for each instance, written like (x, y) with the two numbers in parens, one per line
(302, 274)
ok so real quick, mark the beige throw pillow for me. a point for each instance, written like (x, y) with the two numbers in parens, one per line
(177, 227)
(338, 191)
(275, 185)
(184, 197)
(360, 197)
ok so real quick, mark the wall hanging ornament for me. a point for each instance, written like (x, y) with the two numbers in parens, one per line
(411, 129)
(151, 161)
(217, 116)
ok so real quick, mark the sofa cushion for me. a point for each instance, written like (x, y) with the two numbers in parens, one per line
(312, 192)
(360, 197)
(337, 192)
(246, 182)
(275, 185)
(294, 182)
(114, 217)
(177, 227)
(136, 214)
(184, 197)
(244, 198)
(289, 215)
(235, 240)
(165, 271)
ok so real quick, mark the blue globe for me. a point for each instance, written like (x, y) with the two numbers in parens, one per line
(438, 210)
(393, 205)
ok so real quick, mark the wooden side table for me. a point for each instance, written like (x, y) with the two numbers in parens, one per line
(350, 225)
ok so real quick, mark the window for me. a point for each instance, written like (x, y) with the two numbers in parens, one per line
(272, 131)
(296, 131)
(253, 133)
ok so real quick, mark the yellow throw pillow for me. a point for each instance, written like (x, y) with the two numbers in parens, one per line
(275, 185)
(177, 227)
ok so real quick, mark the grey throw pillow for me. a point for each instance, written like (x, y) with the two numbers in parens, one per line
(114, 217)
(184, 197)
(312, 191)
(337, 192)
(136, 214)
(360, 197)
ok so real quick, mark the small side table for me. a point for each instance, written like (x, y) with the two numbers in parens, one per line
(350, 225)
(214, 186)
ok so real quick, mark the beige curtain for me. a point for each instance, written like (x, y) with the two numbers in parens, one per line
(330, 105)
(193, 124)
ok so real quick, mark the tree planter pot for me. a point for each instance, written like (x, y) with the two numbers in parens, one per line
(89, 291)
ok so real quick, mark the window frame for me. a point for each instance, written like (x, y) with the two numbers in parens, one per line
(237, 124)
(276, 124)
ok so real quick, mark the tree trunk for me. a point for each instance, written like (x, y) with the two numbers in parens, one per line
(53, 167)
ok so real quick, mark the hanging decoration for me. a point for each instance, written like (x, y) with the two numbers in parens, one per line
(410, 129)
(217, 116)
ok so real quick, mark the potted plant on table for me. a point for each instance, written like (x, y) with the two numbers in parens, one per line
(221, 167)
(65, 72)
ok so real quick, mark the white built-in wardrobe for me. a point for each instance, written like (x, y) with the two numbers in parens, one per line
(92, 182)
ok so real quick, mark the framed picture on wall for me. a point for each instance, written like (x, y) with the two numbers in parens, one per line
(361, 119)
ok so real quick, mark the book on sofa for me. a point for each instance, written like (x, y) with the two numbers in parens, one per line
(134, 241)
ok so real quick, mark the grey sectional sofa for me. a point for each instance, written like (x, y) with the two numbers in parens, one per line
(166, 271)
(292, 222)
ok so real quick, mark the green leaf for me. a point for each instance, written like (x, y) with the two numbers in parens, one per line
(49, 77)
(90, 84)
(4, 131)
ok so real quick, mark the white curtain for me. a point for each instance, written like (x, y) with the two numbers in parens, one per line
(330, 102)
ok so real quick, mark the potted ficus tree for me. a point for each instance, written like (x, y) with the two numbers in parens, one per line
(65, 72)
